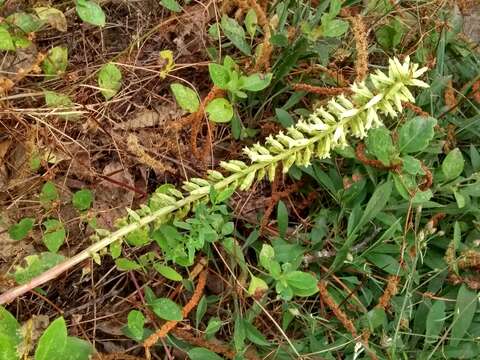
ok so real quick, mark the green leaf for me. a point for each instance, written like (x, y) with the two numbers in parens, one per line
(377, 202)
(379, 144)
(6, 41)
(36, 265)
(116, 249)
(435, 320)
(168, 272)
(282, 218)
(202, 354)
(54, 234)
(127, 265)
(77, 349)
(385, 262)
(201, 310)
(375, 205)
(21, 229)
(171, 5)
(56, 61)
(228, 228)
(421, 197)
(219, 110)
(54, 17)
(411, 165)
(9, 335)
(302, 283)
(82, 199)
(62, 103)
(474, 158)
(52, 343)
(266, 256)
(8, 348)
(48, 193)
(334, 28)
(28, 23)
(256, 286)
(186, 97)
(239, 334)
(463, 315)
(389, 36)
(235, 33)
(166, 309)
(90, 12)
(214, 324)
(219, 75)
(9, 326)
(254, 335)
(416, 134)
(251, 22)
(138, 237)
(376, 317)
(256, 82)
(284, 117)
(109, 80)
(453, 164)
(136, 321)
(335, 7)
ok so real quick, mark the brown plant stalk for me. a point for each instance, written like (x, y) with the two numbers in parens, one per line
(170, 325)
(361, 46)
(343, 317)
(362, 157)
(217, 347)
(417, 110)
(390, 291)
(319, 90)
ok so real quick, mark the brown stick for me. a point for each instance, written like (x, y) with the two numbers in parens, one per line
(321, 90)
(360, 153)
(170, 325)
(217, 347)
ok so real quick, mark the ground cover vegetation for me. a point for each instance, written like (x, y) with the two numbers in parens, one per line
(239, 179)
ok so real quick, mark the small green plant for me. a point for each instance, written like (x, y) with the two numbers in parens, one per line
(53, 344)
(53, 232)
(288, 281)
(330, 26)
(228, 77)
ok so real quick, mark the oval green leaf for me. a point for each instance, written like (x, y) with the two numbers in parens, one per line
(452, 165)
(219, 110)
(136, 321)
(54, 234)
(171, 5)
(53, 341)
(82, 199)
(21, 229)
(90, 12)
(56, 61)
(109, 80)
(186, 97)
(202, 354)
(464, 312)
(168, 272)
(166, 309)
(416, 134)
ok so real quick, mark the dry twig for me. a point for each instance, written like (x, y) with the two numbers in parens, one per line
(169, 325)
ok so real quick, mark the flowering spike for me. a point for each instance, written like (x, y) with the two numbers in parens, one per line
(315, 136)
